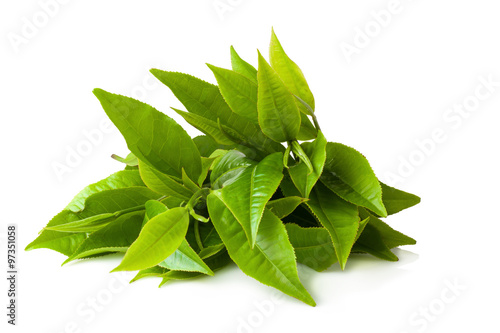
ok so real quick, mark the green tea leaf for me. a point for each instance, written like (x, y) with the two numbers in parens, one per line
(294, 80)
(104, 207)
(152, 136)
(242, 67)
(206, 145)
(392, 238)
(162, 183)
(206, 126)
(159, 238)
(271, 261)
(130, 160)
(396, 200)
(155, 271)
(284, 206)
(231, 160)
(211, 250)
(115, 237)
(371, 242)
(313, 246)
(301, 177)
(289, 72)
(63, 242)
(239, 92)
(204, 99)
(279, 116)
(185, 259)
(120, 179)
(338, 216)
(246, 197)
(349, 175)
(215, 263)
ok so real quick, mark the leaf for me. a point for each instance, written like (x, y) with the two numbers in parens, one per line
(211, 250)
(392, 238)
(206, 126)
(215, 263)
(294, 80)
(338, 216)
(159, 238)
(206, 164)
(289, 72)
(239, 92)
(185, 259)
(63, 242)
(301, 177)
(152, 136)
(188, 183)
(371, 242)
(89, 224)
(103, 207)
(130, 160)
(279, 116)
(313, 246)
(162, 183)
(284, 206)
(206, 145)
(155, 271)
(115, 237)
(271, 261)
(349, 175)
(229, 161)
(242, 67)
(247, 196)
(120, 179)
(396, 200)
(205, 100)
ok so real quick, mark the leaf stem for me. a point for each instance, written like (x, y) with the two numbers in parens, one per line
(197, 234)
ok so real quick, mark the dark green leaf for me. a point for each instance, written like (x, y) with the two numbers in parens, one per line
(396, 200)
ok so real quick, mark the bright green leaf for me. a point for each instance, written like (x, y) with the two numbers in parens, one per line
(115, 237)
(279, 116)
(152, 136)
(271, 261)
(159, 238)
(284, 206)
(301, 177)
(163, 183)
(239, 92)
(242, 67)
(349, 175)
(246, 197)
(289, 72)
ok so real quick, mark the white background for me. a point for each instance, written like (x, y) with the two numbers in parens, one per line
(393, 92)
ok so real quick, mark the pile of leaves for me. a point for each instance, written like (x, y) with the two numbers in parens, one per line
(262, 188)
